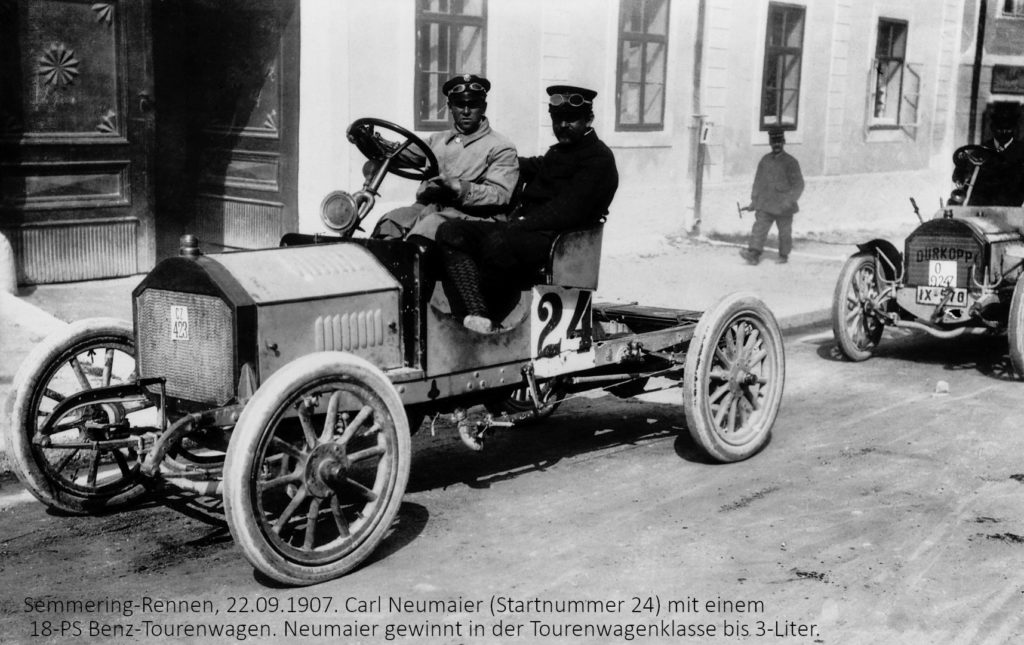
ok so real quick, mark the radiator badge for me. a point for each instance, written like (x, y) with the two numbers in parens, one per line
(179, 322)
(944, 253)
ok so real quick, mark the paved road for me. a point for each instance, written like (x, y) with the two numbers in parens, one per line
(881, 512)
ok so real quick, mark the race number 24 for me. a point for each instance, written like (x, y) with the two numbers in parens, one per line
(550, 313)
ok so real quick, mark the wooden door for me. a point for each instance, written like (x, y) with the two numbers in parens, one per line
(76, 133)
(227, 75)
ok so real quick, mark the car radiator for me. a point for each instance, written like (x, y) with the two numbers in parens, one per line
(954, 245)
(188, 339)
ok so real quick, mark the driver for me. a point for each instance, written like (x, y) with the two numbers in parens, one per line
(1000, 180)
(478, 168)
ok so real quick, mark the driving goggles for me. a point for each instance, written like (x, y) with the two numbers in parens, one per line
(467, 87)
(574, 100)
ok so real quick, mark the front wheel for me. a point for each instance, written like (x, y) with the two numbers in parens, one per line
(857, 331)
(1015, 329)
(316, 468)
(77, 462)
(733, 377)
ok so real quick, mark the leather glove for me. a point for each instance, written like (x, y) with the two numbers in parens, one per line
(438, 189)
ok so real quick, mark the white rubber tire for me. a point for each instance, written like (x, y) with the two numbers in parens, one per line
(30, 384)
(731, 395)
(262, 545)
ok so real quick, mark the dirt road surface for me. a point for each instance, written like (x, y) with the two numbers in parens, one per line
(881, 512)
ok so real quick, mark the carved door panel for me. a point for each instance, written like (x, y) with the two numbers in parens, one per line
(240, 101)
(76, 132)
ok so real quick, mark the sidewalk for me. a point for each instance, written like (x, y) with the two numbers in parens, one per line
(686, 273)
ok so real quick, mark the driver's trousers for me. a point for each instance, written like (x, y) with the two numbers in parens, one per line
(492, 253)
(421, 220)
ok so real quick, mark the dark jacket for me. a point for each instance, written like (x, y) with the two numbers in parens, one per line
(1000, 180)
(570, 187)
(778, 184)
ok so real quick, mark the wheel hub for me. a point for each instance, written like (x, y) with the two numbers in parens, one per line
(326, 467)
(740, 376)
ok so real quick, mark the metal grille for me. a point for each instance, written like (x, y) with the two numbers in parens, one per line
(349, 331)
(198, 368)
(963, 249)
(249, 224)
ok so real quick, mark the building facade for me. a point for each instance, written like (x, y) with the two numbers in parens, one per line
(136, 121)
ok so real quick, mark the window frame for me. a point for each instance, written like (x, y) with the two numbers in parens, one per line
(1012, 9)
(875, 121)
(644, 39)
(452, 22)
(771, 55)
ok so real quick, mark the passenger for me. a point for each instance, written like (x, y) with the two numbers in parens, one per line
(570, 187)
(1000, 180)
(478, 169)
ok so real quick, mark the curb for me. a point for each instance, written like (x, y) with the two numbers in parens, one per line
(710, 241)
(795, 323)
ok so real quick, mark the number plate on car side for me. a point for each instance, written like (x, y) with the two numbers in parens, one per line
(934, 296)
(179, 322)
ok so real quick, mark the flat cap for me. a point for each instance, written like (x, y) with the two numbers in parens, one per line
(466, 84)
(570, 99)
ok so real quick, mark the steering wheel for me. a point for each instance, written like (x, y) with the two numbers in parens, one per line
(410, 157)
(972, 155)
(968, 162)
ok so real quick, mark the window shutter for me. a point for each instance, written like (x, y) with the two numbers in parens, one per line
(910, 115)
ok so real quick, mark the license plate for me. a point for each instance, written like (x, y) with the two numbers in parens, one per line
(934, 296)
(941, 273)
(179, 322)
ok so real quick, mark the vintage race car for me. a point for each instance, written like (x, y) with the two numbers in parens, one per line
(288, 380)
(959, 274)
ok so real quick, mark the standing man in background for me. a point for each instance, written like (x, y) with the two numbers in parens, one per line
(778, 185)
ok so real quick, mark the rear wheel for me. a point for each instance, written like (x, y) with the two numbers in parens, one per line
(316, 468)
(857, 331)
(733, 377)
(69, 463)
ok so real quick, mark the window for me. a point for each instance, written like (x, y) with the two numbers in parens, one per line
(783, 58)
(1013, 8)
(643, 50)
(890, 51)
(894, 84)
(450, 39)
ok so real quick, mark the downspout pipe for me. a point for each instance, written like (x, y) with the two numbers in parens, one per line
(979, 52)
(698, 116)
